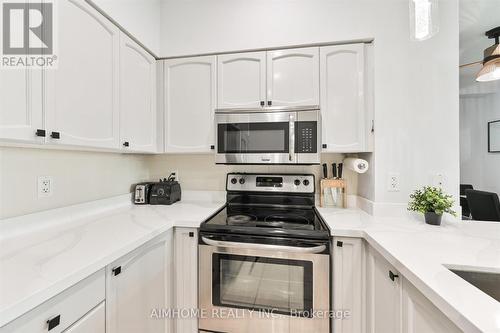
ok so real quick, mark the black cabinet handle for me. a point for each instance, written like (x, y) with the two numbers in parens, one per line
(262, 103)
(126, 144)
(392, 276)
(373, 126)
(55, 135)
(40, 133)
(324, 146)
(340, 244)
(212, 147)
(117, 270)
(269, 103)
(191, 234)
(53, 322)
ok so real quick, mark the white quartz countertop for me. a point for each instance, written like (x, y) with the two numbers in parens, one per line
(43, 254)
(422, 253)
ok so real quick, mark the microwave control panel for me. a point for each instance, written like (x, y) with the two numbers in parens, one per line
(306, 137)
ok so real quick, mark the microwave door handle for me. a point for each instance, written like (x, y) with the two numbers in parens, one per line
(269, 247)
(291, 134)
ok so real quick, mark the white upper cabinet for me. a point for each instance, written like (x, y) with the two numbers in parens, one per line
(343, 98)
(82, 93)
(190, 101)
(137, 97)
(21, 112)
(241, 80)
(293, 77)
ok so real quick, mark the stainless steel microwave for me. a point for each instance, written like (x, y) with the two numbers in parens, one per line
(268, 136)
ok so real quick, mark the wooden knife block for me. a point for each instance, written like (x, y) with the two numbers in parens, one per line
(338, 186)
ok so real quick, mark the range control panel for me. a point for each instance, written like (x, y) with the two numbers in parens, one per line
(289, 183)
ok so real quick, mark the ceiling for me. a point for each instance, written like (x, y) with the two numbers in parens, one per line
(476, 17)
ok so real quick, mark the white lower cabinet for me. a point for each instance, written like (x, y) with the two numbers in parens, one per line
(64, 310)
(394, 305)
(137, 289)
(348, 282)
(92, 322)
(383, 290)
(420, 315)
(186, 277)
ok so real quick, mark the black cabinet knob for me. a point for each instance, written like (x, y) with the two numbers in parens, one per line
(117, 270)
(53, 322)
(126, 144)
(262, 103)
(40, 132)
(191, 234)
(340, 243)
(392, 276)
(324, 146)
(269, 103)
(212, 147)
(55, 135)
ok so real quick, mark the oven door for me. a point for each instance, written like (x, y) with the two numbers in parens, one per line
(247, 287)
(255, 138)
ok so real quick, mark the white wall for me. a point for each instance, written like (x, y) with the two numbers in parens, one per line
(199, 172)
(416, 83)
(78, 177)
(479, 104)
(141, 18)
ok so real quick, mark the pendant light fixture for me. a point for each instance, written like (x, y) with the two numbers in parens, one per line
(491, 61)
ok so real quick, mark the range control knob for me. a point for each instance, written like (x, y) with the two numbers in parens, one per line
(305, 182)
(233, 181)
(242, 181)
(297, 182)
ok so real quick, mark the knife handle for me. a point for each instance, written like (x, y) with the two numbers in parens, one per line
(334, 170)
(325, 171)
(341, 167)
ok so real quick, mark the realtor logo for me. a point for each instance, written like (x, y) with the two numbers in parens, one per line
(27, 34)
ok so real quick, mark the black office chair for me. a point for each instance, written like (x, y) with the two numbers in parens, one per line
(484, 206)
(463, 200)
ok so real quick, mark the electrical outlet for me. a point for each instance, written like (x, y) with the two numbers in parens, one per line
(393, 182)
(45, 186)
(439, 180)
(175, 175)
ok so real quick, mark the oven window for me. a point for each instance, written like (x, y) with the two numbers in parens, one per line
(253, 138)
(258, 283)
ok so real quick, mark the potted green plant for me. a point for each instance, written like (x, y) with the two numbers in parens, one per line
(432, 202)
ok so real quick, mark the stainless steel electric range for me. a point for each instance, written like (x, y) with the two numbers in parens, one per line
(264, 259)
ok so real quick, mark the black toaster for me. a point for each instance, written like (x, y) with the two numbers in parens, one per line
(165, 192)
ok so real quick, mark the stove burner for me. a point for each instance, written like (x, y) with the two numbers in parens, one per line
(240, 219)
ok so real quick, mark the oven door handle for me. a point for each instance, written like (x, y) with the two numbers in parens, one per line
(253, 246)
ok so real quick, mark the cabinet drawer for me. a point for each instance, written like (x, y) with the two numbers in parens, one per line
(94, 322)
(70, 305)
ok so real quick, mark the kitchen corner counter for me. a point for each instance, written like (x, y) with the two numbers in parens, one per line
(45, 253)
(422, 253)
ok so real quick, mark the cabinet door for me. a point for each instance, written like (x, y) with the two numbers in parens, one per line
(293, 77)
(137, 97)
(94, 322)
(348, 283)
(420, 315)
(342, 97)
(383, 296)
(21, 111)
(189, 104)
(186, 276)
(136, 286)
(82, 93)
(241, 80)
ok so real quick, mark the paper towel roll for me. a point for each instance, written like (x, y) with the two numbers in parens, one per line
(356, 164)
